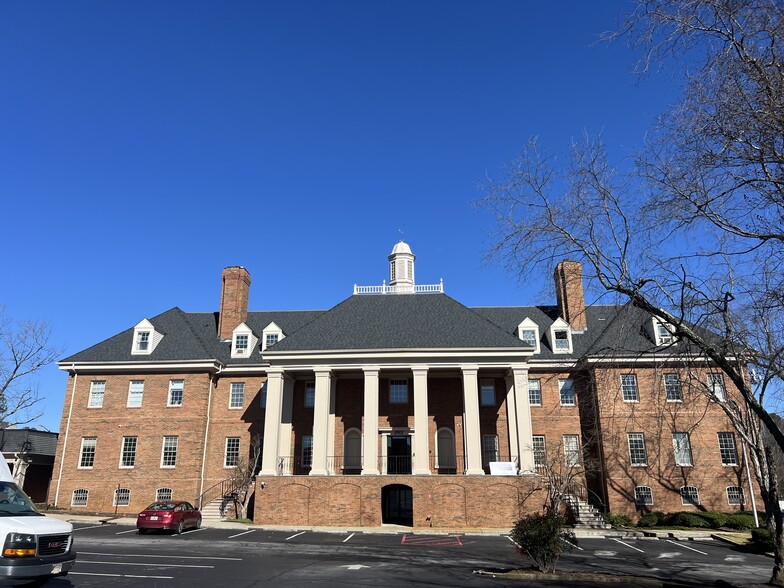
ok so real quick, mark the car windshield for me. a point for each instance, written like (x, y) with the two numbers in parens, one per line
(14, 502)
(161, 506)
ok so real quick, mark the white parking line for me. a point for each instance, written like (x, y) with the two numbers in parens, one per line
(627, 545)
(681, 544)
(189, 531)
(120, 575)
(133, 563)
(572, 544)
(83, 528)
(510, 539)
(349, 537)
(243, 533)
(296, 535)
(123, 532)
(167, 556)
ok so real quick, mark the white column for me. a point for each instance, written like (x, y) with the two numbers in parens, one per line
(272, 418)
(331, 427)
(421, 429)
(370, 423)
(321, 422)
(511, 418)
(471, 430)
(284, 437)
(524, 429)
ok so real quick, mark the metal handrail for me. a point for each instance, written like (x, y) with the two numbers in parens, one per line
(221, 489)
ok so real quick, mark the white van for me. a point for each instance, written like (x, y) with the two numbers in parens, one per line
(34, 547)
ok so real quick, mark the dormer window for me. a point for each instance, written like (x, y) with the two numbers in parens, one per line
(272, 334)
(560, 337)
(242, 341)
(662, 332)
(528, 331)
(145, 338)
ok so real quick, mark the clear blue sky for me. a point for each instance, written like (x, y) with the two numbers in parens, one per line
(146, 145)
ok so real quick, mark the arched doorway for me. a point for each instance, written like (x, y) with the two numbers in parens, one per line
(446, 459)
(397, 505)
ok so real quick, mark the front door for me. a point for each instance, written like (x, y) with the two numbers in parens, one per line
(397, 506)
(399, 454)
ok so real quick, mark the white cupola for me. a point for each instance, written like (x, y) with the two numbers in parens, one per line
(401, 266)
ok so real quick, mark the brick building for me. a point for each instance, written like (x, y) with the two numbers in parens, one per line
(398, 405)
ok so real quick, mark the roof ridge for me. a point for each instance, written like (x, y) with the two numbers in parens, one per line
(199, 338)
(486, 320)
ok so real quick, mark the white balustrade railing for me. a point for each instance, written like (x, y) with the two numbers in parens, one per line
(400, 289)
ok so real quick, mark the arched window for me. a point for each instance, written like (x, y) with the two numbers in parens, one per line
(352, 452)
(643, 496)
(163, 494)
(79, 497)
(122, 497)
(446, 460)
(735, 495)
(690, 495)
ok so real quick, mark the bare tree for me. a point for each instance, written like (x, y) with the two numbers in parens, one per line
(24, 351)
(243, 477)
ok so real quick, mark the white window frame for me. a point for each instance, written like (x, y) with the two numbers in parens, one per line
(164, 494)
(307, 451)
(227, 463)
(85, 492)
(671, 386)
(630, 391)
(696, 493)
(572, 452)
(535, 386)
(128, 449)
(309, 400)
(97, 394)
(489, 449)
(92, 443)
(175, 386)
(398, 386)
(716, 386)
(126, 494)
(234, 396)
(529, 326)
(562, 384)
(244, 332)
(241, 341)
(487, 392)
(678, 445)
(133, 394)
(539, 450)
(662, 332)
(634, 452)
(164, 449)
(724, 448)
(640, 491)
(271, 329)
(145, 332)
(560, 326)
(740, 493)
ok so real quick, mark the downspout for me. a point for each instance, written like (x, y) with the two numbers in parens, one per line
(65, 440)
(206, 434)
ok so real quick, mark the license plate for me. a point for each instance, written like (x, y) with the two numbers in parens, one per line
(57, 568)
(153, 518)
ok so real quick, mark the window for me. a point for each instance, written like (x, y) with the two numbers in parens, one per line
(663, 334)
(535, 392)
(241, 345)
(142, 340)
(135, 393)
(672, 388)
(307, 451)
(175, 392)
(398, 391)
(163, 494)
(540, 450)
(735, 495)
(232, 452)
(128, 455)
(528, 336)
(489, 449)
(729, 456)
(270, 340)
(391, 271)
(629, 388)
(716, 386)
(566, 387)
(169, 452)
(562, 340)
(528, 331)
(97, 390)
(79, 497)
(682, 448)
(237, 395)
(122, 497)
(487, 393)
(571, 445)
(637, 453)
(264, 396)
(87, 453)
(271, 334)
(310, 394)
(643, 496)
(689, 495)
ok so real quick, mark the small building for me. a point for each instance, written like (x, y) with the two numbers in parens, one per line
(398, 405)
(30, 457)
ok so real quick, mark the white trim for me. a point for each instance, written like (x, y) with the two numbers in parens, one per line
(271, 329)
(99, 367)
(243, 329)
(176, 451)
(560, 326)
(153, 338)
(182, 393)
(528, 325)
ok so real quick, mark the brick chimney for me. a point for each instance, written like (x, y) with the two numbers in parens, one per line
(569, 290)
(235, 287)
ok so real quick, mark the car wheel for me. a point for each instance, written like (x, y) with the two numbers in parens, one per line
(180, 527)
(198, 523)
(142, 531)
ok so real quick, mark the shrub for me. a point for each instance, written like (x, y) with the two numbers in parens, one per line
(617, 520)
(651, 519)
(762, 540)
(740, 521)
(542, 538)
(715, 520)
(686, 519)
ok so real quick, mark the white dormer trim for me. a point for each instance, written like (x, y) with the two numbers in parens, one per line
(560, 331)
(271, 329)
(526, 327)
(145, 338)
(661, 332)
(242, 330)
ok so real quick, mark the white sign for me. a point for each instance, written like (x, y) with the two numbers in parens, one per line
(503, 468)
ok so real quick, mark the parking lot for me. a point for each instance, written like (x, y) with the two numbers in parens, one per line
(115, 555)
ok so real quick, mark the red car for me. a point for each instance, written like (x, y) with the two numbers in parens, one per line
(175, 515)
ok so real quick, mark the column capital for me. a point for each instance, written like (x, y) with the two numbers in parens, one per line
(420, 368)
(469, 369)
(322, 372)
(370, 370)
